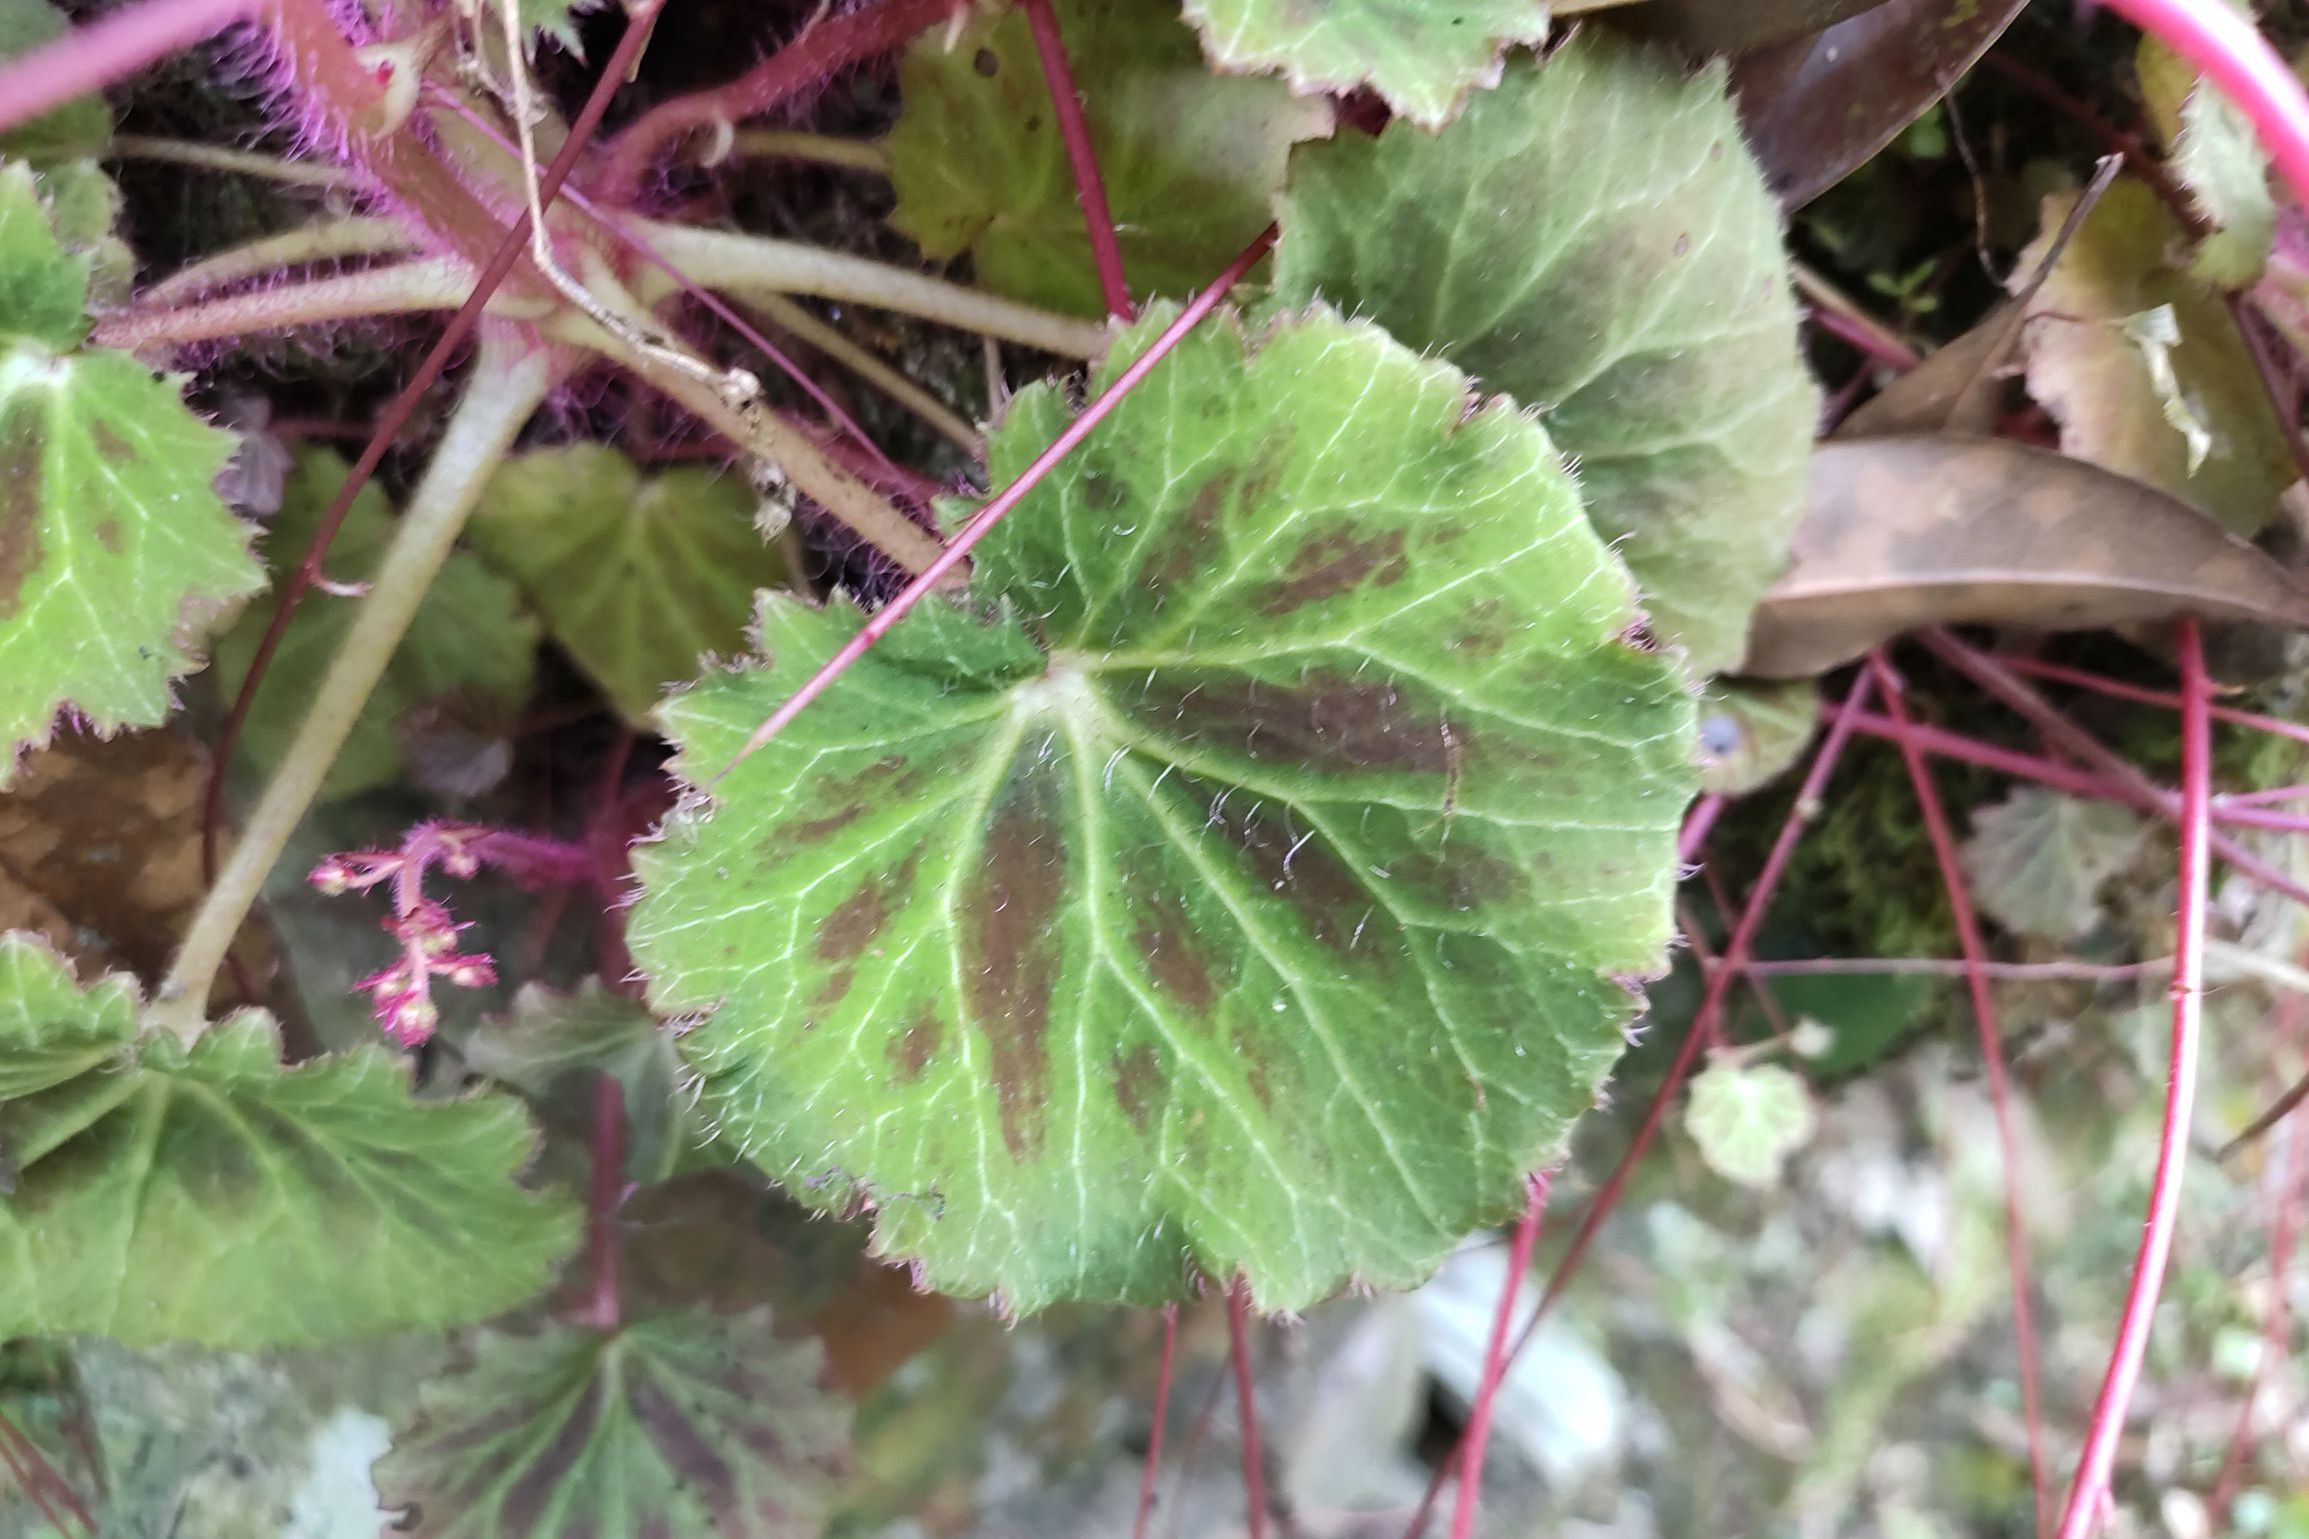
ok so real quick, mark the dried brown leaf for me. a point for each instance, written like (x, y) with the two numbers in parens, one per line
(1738, 26)
(1916, 531)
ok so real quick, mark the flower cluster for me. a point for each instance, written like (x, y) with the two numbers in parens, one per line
(402, 994)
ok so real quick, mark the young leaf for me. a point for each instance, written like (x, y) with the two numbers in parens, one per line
(114, 546)
(1592, 239)
(211, 1195)
(470, 644)
(686, 1425)
(637, 580)
(1422, 57)
(2037, 860)
(1751, 734)
(1191, 161)
(551, 1043)
(1747, 1118)
(2086, 370)
(1243, 888)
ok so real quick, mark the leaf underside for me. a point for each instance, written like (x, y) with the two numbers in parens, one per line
(1422, 56)
(1242, 895)
(1593, 239)
(687, 1425)
(211, 1195)
(1190, 162)
(114, 546)
(2037, 860)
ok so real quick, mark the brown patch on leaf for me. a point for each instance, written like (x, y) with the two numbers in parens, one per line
(1253, 1054)
(885, 781)
(1325, 721)
(1335, 563)
(20, 485)
(1339, 910)
(1138, 1083)
(911, 1054)
(1011, 952)
(526, 1498)
(109, 535)
(1175, 959)
(115, 449)
(674, 1434)
(844, 934)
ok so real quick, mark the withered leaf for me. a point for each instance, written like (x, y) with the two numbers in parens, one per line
(1915, 531)
(1738, 26)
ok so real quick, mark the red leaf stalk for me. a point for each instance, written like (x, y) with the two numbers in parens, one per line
(1246, 1397)
(1162, 1411)
(2090, 1492)
(1007, 499)
(1470, 1497)
(1081, 157)
(2061, 674)
(1992, 1058)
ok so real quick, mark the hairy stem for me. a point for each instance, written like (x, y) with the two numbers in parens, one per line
(817, 149)
(825, 48)
(1469, 1499)
(216, 157)
(1162, 1411)
(326, 240)
(829, 339)
(723, 259)
(1081, 156)
(1247, 1404)
(2091, 1486)
(433, 283)
(510, 380)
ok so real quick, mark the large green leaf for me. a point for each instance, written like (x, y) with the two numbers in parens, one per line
(1423, 56)
(470, 648)
(553, 1048)
(689, 1425)
(1248, 893)
(210, 1195)
(1593, 239)
(114, 547)
(636, 579)
(1191, 162)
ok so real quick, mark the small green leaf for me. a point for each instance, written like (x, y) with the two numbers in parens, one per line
(1422, 56)
(637, 580)
(1257, 906)
(2038, 860)
(211, 1195)
(471, 644)
(82, 126)
(1747, 1118)
(550, 1044)
(2087, 370)
(1191, 162)
(114, 546)
(689, 1425)
(1750, 734)
(1593, 239)
(2216, 155)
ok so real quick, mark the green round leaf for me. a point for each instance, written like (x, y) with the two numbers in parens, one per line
(211, 1195)
(471, 645)
(1422, 56)
(637, 580)
(689, 1425)
(1748, 1118)
(1245, 889)
(1593, 239)
(115, 549)
(2038, 860)
(1191, 162)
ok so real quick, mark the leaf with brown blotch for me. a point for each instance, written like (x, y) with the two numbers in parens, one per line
(1909, 532)
(1815, 108)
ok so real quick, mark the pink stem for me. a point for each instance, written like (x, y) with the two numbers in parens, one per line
(1992, 1057)
(1162, 1411)
(2061, 674)
(641, 15)
(1698, 824)
(823, 50)
(2091, 1489)
(1081, 156)
(1001, 505)
(1937, 967)
(2229, 50)
(1246, 1397)
(605, 1307)
(1866, 340)
(94, 56)
(1470, 1496)
(1824, 761)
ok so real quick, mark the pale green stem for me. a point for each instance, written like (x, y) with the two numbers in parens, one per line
(211, 157)
(819, 149)
(2226, 956)
(722, 259)
(509, 381)
(437, 283)
(830, 340)
(323, 241)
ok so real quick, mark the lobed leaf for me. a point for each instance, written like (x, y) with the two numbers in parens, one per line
(1592, 239)
(549, 1041)
(211, 1195)
(1748, 1118)
(470, 647)
(1423, 57)
(638, 580)
(2037, 860)
(1190, 161)
(1242, 887)
(676, 1426)
(115, 549)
